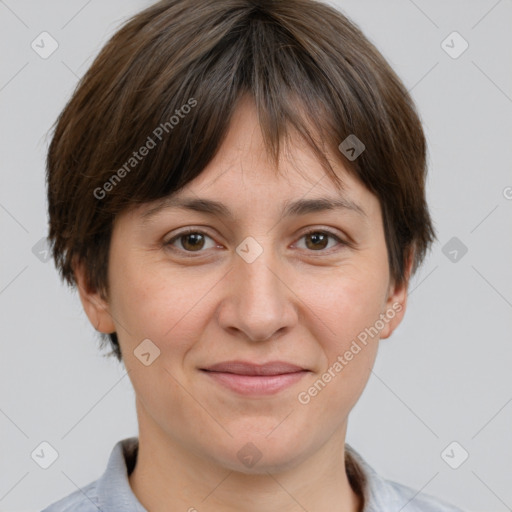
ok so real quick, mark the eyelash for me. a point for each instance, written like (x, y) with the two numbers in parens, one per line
(195, 254)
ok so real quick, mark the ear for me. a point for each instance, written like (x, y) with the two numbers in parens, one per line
(95, 305)
(396, 301)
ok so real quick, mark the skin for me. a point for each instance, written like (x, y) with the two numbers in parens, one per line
(301, 301)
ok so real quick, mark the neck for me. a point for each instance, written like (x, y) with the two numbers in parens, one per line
(168, 473)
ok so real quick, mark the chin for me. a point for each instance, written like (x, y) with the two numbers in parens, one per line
(257, 454)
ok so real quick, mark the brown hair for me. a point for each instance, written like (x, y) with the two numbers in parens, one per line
(169, 81)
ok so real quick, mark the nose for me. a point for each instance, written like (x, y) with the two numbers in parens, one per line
(258, 301)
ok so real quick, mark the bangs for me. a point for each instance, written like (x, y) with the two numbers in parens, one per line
(181, 114)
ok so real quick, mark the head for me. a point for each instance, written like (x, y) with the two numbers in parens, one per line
(249, 104)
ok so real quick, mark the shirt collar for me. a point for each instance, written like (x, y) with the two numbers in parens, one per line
(115, 493)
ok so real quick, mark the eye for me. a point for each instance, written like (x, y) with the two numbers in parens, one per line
(317, 240)
(194, 240)
(191, 240)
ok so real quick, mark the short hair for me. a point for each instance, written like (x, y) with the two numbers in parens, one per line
(169, 81)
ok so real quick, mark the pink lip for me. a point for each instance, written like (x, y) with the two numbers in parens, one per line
(244, 368)
(250, 379)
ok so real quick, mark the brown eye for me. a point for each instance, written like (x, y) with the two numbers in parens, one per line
(189, 241)
(192, 242)
(318, 241)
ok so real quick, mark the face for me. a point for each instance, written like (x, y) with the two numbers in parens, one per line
(252, 284)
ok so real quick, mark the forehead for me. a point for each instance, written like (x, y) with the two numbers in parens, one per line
(242, 168)
(241, 178)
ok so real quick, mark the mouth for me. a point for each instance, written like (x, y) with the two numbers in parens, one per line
(255, 379)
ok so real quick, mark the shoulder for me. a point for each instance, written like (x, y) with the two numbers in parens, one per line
(112, 488)
(82, 500)
(383, 494)
(394, 493)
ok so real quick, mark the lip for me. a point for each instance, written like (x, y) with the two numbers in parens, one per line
(255, 379)
(246, 368)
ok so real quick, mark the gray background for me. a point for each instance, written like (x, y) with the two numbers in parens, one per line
(444, 375)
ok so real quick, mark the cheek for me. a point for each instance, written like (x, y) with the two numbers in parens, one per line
(158, 303)
(347, 310)
(148, 306)
(346, 303)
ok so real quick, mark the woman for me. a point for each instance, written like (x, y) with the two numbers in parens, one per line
(237, 190)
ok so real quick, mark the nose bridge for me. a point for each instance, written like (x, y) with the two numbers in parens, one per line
(260, 303)
(260, 281)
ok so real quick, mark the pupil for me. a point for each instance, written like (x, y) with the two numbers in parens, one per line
(196, 243)
(318, 237)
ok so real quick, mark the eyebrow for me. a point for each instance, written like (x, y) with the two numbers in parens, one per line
(290, 208)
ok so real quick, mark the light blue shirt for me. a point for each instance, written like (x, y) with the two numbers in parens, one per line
(112, 491)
